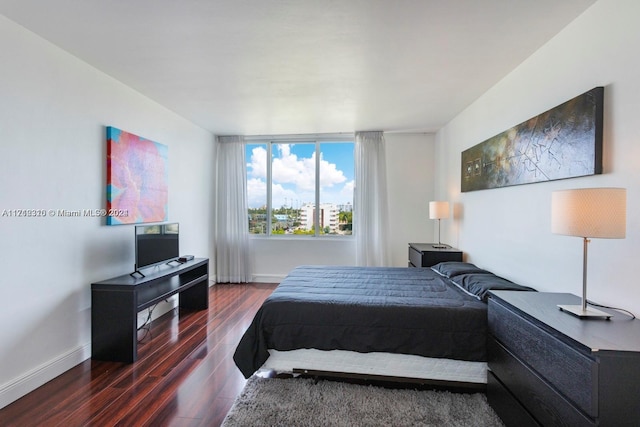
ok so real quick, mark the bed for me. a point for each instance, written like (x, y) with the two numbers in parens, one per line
(375, 321)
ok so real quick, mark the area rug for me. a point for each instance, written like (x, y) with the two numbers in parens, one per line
(303, 402)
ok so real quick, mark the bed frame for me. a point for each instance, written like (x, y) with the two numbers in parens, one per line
(379, 367)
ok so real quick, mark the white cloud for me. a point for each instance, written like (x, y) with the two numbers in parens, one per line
(257, 168)
(347, 191)
(294, 178)
(286, 197)
(300, 171)
(329, 174)
(257, 195)
(256, 192)
(289, 169)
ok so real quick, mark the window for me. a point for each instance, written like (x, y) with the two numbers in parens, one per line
(287, 179)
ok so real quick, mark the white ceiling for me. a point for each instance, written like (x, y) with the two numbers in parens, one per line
(260, 67)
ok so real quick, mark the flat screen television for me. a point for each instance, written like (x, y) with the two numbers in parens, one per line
(156, 244)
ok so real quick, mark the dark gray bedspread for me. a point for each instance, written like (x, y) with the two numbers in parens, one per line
(366, 309)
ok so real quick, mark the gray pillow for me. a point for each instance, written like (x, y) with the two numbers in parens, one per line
(451, 269)
(479, 285)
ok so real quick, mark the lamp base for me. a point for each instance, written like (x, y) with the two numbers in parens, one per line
(590, 313)
(440, 246)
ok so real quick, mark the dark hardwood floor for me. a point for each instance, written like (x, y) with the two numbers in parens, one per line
(184, 376)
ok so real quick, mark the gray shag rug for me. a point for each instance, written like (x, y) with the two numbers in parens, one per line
(302, 402)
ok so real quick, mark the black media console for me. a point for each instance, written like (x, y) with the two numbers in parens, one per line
(115, 304)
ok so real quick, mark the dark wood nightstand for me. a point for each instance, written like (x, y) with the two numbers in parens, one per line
(549, 368)
(428, 254)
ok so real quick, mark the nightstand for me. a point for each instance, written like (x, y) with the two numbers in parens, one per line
(547, 367)
(428, 254)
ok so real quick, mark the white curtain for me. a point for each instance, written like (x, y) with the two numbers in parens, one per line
(231, 221)
(370, 201)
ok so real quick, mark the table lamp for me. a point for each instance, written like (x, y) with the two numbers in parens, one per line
(589, 213)
(439, 210)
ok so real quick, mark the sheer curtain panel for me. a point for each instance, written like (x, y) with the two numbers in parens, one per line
(370, 201)
(231, 222)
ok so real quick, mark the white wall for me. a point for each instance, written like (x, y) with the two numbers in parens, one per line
(508, 230)
(53, 113)
(410, 179)
(410, 172)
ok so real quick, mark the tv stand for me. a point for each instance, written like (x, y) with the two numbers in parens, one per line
(139, 273)
(166, 263)
(115, 304)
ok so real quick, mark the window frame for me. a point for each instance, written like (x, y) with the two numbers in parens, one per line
(317, 140)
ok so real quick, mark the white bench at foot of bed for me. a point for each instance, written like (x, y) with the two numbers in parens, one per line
(377, 365)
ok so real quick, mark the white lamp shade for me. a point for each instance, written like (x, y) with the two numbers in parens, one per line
(438, 210)
(590, 212)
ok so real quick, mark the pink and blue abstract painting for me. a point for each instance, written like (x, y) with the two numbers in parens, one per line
(137, 179)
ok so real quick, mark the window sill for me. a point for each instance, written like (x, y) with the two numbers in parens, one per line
(299, 238)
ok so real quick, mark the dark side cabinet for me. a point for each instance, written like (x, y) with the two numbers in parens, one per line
(116, 302)
(549, 368)
(429, 254)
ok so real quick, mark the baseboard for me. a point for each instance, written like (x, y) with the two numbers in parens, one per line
(31, 380)
(268, 278)
(26, 383)
(261, 278)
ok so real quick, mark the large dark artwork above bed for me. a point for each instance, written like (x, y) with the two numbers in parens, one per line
(564, 142)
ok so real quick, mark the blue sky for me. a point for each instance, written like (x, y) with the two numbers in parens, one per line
(294, 174)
